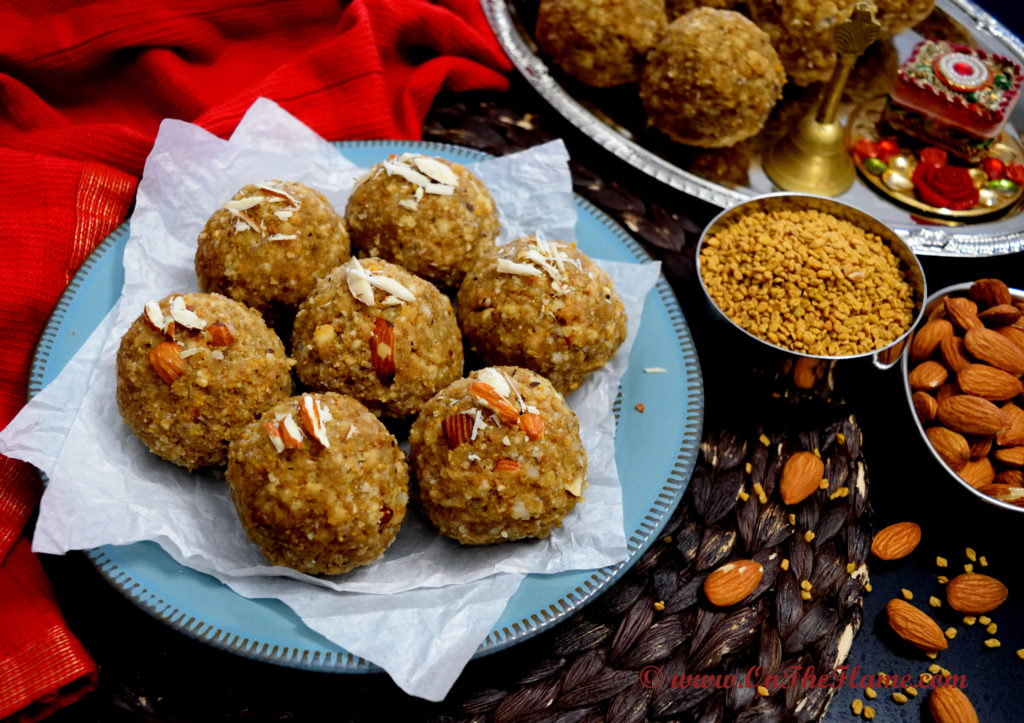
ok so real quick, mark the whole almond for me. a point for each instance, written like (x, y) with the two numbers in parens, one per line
(1001, 315)
(1010, 478)
(1004, 493)
(951, 446)
(925, 405)
(732, 582)
(806, 372)
(988, 382)
(993, 348)
(945, 392)
(1012, 334)
(914, 626)
(927, 339)
(968, 414)
(954, 353)
(978, 472)
(972, 593)
(979, 446)
(800, 477)
(927, 375)
(896, 541)
(1010, 456)
(962, 312)
(165, 358)
(990, 292)
(382, 348)
(1013, 435)
(950, 705)
(457, 428)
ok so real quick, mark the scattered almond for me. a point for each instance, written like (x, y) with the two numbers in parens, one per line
(800, 477)
(988, 382)
(1010, 456)
(1013, 435)
(999, 315)
(954, 353)
(914, 626)
(990, 292)
(952, 447)
(896, 541)
(927, 375)
(968, 414)
(951, 705)
(732, 582)
(962, 312)
(993, 348)
(972, 593)
(925, 405)
(927, 339)
(978, 472)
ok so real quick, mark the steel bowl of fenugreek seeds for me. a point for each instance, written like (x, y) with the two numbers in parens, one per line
(811, 276)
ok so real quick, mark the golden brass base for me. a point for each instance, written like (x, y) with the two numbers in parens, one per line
(814, 159)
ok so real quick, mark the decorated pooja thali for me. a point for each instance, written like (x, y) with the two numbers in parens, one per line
(616, 118)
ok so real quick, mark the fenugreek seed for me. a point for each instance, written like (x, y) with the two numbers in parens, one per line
(992, 643)
(805, 584)
(817, 452)
(899, 698)
(785, 563)
(660, 605)
(805, 594)
(931, 655)
(870, 693)
(971, 554)
(762, 691)
(869, 712)
(841, 438)
(991, 629)
(743, 496)
(941, 561)
(984, 619)
(1020, 653)
(823, 484)
(983, 561)
(934, 602)
(934, 669)
(943, 579)
(762, 498)
(950, 632)
(667, 539)
(968, 567)
(792, 518)
(763, 439)
(911, 691)
(925, 678)
(747, 468)
(809, 535)
(867, 587)
(907, 595)
(945, 672)
(970, 620)
(851, 567)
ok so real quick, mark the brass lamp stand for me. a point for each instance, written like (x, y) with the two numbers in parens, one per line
(814, 159)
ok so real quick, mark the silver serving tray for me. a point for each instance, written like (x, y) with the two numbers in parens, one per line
(1004, 235)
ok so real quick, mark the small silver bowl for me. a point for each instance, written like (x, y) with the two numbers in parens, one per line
(905, 366)
(883, 357)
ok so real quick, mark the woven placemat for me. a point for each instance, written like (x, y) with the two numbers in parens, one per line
(631, 655)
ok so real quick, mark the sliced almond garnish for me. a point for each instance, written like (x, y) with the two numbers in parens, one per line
(485, 394)
(532, 425)
(382, 348)
(386, 283)
(245, 203)
(220, 334)
(165, 358)
(409, 204)
(358, 281)
(457, 428)
(398, 167)
(291, 435)
(184, 315)
(274, 433)
(282, 237)
(436, 169)
(243, 217)
(312, 418)
(575, 488)
(497, 380)
(154, 315)
(506, 266)
(507, 465)
(275, 191)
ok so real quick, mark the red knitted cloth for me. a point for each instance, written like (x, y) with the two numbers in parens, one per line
(83, 88)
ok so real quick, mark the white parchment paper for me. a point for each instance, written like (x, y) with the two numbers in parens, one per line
(420, 611)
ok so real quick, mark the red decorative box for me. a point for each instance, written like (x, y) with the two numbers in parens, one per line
(954, 96)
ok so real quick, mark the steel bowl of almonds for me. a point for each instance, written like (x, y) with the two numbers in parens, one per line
(962, 372)
(812, 277)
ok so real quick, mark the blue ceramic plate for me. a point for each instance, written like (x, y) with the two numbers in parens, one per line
(655, 454)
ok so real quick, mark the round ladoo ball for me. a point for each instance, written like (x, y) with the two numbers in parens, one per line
(895, 16)
(675, 8)
(429, 215)
(602, 43)
(374, 331)
(192, 369)
(803, 34)
(320, 485)
(545, 306)
(498, 457)
(269, 244)
(712, 79)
